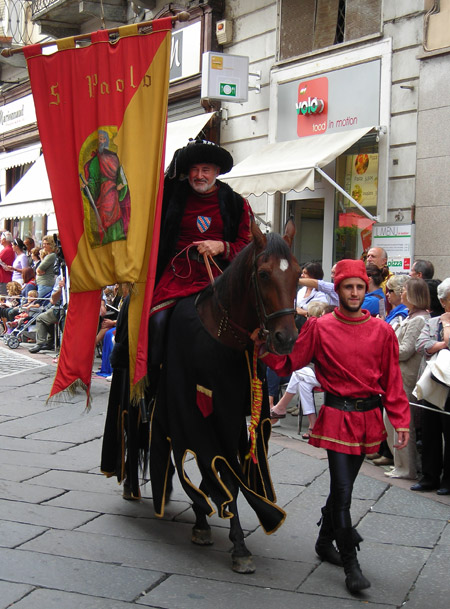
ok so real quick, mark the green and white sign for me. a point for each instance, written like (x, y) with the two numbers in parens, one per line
(224, 77)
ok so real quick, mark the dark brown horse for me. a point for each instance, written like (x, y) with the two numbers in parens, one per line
(206, 391)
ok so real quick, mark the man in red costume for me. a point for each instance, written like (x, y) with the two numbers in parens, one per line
(357, 363)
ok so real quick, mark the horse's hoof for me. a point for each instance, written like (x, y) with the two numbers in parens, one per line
(127, 493)
(243, 564)
(202, 537)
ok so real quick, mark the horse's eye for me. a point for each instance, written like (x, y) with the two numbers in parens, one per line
(263, 275)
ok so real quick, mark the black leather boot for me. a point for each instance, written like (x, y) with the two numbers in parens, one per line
(346, 542)
(324, 545)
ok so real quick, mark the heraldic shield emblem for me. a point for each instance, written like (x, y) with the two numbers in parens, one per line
(203, 223)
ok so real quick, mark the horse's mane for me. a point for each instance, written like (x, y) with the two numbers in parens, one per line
(241, 267)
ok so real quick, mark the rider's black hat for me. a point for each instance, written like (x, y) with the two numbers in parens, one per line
(202, 151)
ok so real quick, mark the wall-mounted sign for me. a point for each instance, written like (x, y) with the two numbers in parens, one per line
(185, 52)
(341, 100)
(17, 114)
(224, 77)
(398, 241)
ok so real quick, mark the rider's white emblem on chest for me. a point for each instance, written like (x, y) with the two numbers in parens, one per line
(284, 264)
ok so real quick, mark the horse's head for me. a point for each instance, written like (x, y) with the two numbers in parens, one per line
(275, 278)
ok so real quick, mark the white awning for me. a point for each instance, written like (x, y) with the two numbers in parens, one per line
(285, 166)
(22, 156)
(31, 196)
(179, 132)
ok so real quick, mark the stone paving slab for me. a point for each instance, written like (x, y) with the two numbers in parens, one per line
(407, 531)
(57, 599)
(87, 427)
(432, 585)
(71, 575)
(10, 593)
(181, 557)
(77, 481)
(287, 467)
(392, 570)
(22, 491)
(194, 593)
(47, 419)
(445, 538)
(43, 515)
(35, 446)
(15, 534)
(82, 458)
(104, 503)
(399, 501)
(20, 472)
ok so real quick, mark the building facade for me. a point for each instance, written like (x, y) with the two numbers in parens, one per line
(343, 125)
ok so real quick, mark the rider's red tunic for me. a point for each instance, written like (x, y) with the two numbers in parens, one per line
(201, 221)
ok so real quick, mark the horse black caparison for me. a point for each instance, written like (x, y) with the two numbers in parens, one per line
(207, 344)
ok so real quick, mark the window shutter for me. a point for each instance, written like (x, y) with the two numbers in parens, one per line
(326, 23)
(362, 17)
(296, 27)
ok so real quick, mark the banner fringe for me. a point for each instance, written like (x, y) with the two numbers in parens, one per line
(137, 392)
(67, 394)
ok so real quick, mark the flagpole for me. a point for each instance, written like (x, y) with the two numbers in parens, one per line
(182, 16)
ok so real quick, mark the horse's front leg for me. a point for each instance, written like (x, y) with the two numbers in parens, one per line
(201, 531)
(241, 557)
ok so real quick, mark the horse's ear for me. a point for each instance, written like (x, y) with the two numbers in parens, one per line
(289, 232)
(259, 239)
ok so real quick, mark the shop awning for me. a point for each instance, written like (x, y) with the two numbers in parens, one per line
(30, 196)
(22, 156)
(179, 132)
(285, 166)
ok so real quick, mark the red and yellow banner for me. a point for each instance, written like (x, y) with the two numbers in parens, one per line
(101, 112)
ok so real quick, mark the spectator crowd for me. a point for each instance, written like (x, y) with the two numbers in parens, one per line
(417, 307)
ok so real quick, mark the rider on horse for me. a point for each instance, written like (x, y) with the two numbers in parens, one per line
(200, 215)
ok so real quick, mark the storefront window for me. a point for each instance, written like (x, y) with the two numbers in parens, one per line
(357, 174)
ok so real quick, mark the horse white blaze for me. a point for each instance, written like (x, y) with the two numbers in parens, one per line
(284, 264)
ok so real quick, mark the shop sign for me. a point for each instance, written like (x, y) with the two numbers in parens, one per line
(344, 99)
(312, 111)
(185, 52)
(17, 114)
(398, 241)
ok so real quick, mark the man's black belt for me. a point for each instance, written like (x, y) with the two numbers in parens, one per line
(352, 404)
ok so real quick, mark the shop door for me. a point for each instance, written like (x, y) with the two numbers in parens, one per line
(308, 217)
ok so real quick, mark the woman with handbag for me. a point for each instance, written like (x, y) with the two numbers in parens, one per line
(435, 425)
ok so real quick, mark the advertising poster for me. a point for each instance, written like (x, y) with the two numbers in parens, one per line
(361, 178)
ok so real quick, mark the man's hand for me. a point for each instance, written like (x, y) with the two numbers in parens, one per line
(402, 439)
(210, 247)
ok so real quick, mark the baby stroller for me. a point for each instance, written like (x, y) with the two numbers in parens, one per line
(26, 330)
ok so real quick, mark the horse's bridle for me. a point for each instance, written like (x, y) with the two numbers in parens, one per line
(263, 317)
(260, 308)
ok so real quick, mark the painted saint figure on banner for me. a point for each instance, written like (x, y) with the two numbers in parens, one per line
(106, 195)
